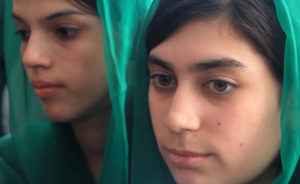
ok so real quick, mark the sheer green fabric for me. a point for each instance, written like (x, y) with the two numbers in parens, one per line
(40, 151)
(121, 22)
(289, 17)
(148, 166)
(2, 71)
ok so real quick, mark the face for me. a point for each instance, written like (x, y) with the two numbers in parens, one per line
(214, 104)
(62, 51)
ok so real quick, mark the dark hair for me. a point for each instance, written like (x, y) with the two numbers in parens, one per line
(87, 5)
(254, 19)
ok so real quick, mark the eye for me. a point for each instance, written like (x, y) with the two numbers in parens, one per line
(24, 34)
(66, 32)
(163, 81)
(220, 86)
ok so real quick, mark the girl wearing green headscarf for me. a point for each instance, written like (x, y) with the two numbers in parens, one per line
(223, 93)
(66, 126)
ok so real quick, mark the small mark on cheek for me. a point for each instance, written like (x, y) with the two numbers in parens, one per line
(241, 144)
(219, 123)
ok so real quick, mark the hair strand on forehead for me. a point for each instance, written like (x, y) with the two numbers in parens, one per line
(89, 6)
(256, 20)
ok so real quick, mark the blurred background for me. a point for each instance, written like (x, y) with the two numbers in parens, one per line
(4, 121)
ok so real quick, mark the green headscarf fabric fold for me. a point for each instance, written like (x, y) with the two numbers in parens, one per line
(2, 71)
(288, 12)
(41, 151)
(148, 166)
(121, 22)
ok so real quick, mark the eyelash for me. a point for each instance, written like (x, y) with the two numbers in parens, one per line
(155, 78)
(23, 33)
(64, 33)
(229, 87)
(67, 32)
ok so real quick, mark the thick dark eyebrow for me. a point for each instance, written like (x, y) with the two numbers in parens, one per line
(52, 16)
(216, 63)
(16, 17)
(153, 60)
(201, 66)
(64, 13)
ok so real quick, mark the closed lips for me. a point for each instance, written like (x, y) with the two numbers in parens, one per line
(187, 159)
(46, 89)
(44, 84)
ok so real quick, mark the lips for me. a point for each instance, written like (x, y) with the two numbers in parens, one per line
(44, 89)
(187, 159)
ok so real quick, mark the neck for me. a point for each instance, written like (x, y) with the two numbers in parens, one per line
(90, 134)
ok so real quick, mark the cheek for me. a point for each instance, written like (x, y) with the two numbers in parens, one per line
(251, 132)
(86, 56)
(85, 75)
(249, 123)
(158, 112)
(154, 113)
(85, 64)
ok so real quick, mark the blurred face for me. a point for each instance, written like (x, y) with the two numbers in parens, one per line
(215, 106)
(62, 51)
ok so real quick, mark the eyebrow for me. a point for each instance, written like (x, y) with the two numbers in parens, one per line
(222, 62)
(216, 63)
(52, 16)
(153, 60)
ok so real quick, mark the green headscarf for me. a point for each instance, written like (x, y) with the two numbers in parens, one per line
(288, 12)
(41, 151)
(147, 166)
(2, 71)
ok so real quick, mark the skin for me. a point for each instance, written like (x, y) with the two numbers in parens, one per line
(63, 45)
(215, 106)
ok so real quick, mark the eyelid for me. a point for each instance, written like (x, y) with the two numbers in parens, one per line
(232, 86)
(20, 32)
(66, 25)
(154, 77)
(67, 28)
(72, 31)
(159, 73)
(220, 79)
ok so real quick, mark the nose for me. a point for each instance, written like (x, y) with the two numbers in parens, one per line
(35, 52)
(184, 113)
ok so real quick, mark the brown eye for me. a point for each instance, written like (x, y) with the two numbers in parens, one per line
(220, 86)
(65, 32)
(163, 81)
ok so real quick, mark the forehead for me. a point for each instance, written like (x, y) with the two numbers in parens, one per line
(204, 40)
(35, 8)
(200, 35)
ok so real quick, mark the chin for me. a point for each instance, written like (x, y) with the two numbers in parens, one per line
(58, 111)
(58, 117)
(184, 177)
(187, 180)
(64, 116)
(57, 114)
(190, 176)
